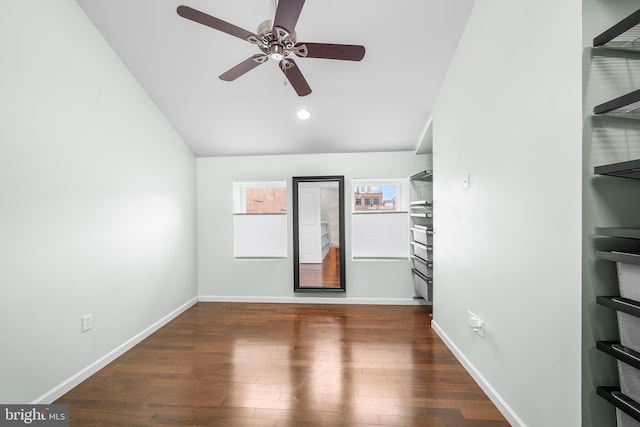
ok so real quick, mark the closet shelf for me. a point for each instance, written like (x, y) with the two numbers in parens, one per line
(624, 305)
(421, 209)
(422, 176)
(614, 396)
(627, 105)
(620, 352)
(628, 169)
(423, 285)
(421, 214)
(421, 230)
(624, 35)
(626, 257)
(626, 233)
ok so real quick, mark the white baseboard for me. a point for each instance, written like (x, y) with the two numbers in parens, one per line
(59, 390)
(304, 299)
(484, 384)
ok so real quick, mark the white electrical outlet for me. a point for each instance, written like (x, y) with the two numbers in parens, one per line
(86, 323)
(476, 324)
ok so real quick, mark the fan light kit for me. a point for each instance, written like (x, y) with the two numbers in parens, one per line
(277, 40)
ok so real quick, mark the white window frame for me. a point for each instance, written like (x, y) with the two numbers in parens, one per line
(261, 236)
(381, 234)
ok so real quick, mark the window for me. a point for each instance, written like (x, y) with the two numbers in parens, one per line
(380, 195)
(268, 197)
(260, 220)
(380, 224)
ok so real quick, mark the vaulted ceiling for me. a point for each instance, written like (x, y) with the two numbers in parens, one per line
(382, 103)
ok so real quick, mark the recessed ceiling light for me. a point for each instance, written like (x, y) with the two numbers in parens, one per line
(303, 114)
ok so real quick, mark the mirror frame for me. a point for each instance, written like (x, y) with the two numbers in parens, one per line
(296, 180)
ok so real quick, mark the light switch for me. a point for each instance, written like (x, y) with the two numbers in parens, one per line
(465, 182)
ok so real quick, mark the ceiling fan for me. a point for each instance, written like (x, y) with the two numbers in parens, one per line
(277, 40)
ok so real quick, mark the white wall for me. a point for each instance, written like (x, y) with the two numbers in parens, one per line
(607, 202)
(97, 200)
(220, 276)
(509, 247)
(330, 212)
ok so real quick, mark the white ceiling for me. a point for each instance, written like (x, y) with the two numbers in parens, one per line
(382, 103)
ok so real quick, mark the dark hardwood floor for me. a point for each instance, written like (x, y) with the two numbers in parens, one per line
(325, 275)
(250, 365)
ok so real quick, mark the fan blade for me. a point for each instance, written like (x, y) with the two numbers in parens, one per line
(295, 77)
(287, 14)
(242, 68)
(346, 52)
(210, 21)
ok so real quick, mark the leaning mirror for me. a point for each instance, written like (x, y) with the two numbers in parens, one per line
(318, 233)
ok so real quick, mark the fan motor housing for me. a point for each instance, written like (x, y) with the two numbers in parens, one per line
(265, 27)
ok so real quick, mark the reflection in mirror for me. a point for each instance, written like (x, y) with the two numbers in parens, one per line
(318, 233)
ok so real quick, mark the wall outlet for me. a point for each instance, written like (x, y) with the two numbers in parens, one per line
(475, 323)
(86, 323)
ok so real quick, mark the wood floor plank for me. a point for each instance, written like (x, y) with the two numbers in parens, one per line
(276, 365)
